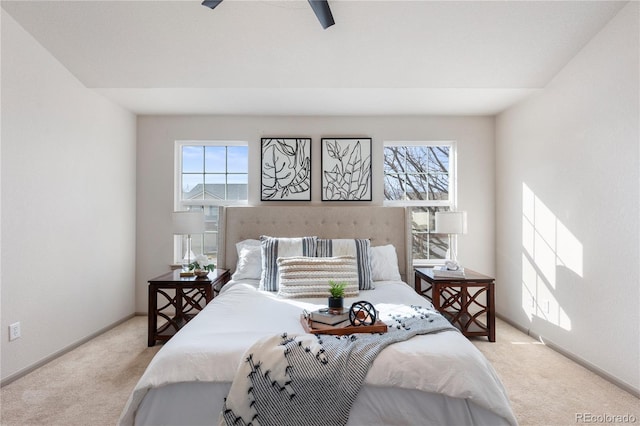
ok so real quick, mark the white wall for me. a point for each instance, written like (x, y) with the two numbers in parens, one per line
(68, 205)
(568, 206)
(157, 135)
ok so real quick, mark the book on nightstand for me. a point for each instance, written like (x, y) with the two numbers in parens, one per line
(443, 272)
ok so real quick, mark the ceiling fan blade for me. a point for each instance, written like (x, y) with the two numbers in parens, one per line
(323, 12)
(211, 3)
(320, 8)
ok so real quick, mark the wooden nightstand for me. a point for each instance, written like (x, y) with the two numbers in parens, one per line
(458, 299)
(190, 295)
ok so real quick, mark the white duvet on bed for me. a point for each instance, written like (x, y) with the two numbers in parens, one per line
(211, 346)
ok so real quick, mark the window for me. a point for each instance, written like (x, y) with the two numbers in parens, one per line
(209, 175)
(421, 176)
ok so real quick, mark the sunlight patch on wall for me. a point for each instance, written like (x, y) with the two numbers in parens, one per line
(547, 246)
(569, 250)
(529, 285)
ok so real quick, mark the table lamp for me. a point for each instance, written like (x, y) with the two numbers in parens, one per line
(451, 223)
(188, 223)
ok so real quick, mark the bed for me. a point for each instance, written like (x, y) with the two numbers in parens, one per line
(433, 379)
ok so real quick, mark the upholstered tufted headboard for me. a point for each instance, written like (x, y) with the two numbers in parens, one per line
(382, 225)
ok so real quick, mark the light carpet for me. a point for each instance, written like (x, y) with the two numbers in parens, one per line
(91, 384)
(547, 388)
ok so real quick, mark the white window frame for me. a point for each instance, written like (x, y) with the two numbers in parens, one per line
(452, 184)
(179, 204)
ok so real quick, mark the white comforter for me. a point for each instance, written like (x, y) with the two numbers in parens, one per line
(211, 346)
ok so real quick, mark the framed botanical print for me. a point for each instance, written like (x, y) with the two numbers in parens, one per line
(346, 169)
(286, 169)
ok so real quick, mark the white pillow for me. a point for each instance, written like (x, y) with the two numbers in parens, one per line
(384, 263)
(302, 276)
(249, 264)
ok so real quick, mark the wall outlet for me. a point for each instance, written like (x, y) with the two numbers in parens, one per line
(14, 331)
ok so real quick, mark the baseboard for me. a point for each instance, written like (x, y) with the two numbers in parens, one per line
(578, 360)
(15, 376)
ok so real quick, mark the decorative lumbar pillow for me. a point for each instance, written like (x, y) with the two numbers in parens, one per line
(359, 248)
(249, 264)
(309, 276)
(384, 263)
(273, 248)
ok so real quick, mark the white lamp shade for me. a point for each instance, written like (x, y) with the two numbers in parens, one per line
(187, 223)
(451, 222)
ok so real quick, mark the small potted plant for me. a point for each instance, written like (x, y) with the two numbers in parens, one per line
(202, 266)
(336, 300)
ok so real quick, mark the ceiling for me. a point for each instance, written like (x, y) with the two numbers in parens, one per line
(273, 57)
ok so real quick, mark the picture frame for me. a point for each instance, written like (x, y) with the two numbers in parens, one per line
(346, 169)
(285, 169)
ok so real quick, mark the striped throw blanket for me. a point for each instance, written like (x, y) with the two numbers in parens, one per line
(313, 380)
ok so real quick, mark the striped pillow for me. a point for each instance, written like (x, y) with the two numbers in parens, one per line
(272, 248)
(359, 248)
(309, 276)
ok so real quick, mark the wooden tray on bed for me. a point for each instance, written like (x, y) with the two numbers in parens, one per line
(378, 327)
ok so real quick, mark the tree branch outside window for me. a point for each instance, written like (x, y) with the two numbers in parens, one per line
(419, 176)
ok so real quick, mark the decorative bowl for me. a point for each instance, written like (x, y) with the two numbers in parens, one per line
(201, 273)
